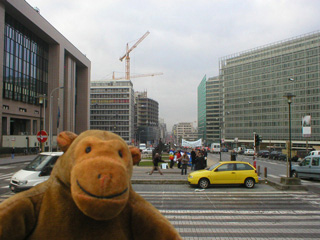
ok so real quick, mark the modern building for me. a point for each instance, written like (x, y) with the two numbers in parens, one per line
(162, 130)
(255, 83)
(112, 107)
(213, 110)
(202, 100)
(147, 119)
(184, 130)
(40, 68)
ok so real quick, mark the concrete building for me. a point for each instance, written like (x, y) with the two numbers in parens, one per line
(254, 85)
(213, 110)
(36, 62)
(147, 119)
(112, 107)
(184, 130)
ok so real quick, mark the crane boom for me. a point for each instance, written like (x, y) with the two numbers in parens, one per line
(137, 76)
(127, 57)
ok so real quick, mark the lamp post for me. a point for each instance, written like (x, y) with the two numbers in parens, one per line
(41, 102)
(289, 97)
(50, 117)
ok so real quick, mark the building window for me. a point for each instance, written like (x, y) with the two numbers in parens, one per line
(25, 69)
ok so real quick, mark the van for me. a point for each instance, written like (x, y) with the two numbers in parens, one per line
(314, 153)
(215, 148)
(142, 146)
(308, 168)
(37, 171)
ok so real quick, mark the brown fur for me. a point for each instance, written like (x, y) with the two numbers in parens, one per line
(88, 196)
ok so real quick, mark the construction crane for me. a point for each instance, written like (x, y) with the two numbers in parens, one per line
(136, 76)
(126, 55)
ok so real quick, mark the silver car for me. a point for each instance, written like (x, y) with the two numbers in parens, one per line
(307, 168)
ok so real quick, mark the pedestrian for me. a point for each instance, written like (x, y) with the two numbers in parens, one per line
(205, 156)
(12, 153)
(171, 158)
(200, 161)
(184, 160)
(193, 159)
(178, 157)
(156, 160)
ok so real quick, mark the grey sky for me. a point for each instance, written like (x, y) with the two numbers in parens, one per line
(186, 39)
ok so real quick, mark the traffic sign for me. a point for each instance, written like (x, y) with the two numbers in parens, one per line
(42, 136)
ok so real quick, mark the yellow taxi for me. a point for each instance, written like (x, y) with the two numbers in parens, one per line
(231, 172)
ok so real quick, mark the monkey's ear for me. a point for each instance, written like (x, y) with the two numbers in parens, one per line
(136, 155)
(65, 139)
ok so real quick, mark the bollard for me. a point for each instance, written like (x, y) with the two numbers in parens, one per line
(265, 173)
(255, 164)
(258, 170)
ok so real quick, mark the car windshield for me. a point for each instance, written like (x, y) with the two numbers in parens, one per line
(38, 163)
(214, 166)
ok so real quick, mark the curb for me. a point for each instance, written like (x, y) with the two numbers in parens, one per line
(280, 186)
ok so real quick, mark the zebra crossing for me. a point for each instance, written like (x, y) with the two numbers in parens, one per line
(238, 215)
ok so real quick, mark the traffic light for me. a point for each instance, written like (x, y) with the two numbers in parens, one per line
(257, 140)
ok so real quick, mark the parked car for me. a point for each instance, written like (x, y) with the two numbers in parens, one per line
(249, 152)
(231, 172)
(307, 168)
(274, 155)
(147, 151)
(35, 172)
(263, 153)
(282, 156)
(224, 150)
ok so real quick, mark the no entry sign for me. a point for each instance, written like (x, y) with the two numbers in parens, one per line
(42, 136)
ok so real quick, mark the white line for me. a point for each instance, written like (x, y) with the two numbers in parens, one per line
(273, 176)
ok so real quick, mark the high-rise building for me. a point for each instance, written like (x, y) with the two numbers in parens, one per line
(147, 119)
(202, 121)
(40, 68)
(214, 117)
(112, 107)
(255, 83)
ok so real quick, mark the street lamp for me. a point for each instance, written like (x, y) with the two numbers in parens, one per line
(50, 117)
(42, 101)
(289, 97)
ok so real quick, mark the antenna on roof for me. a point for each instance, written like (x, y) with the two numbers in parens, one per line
(37, 9)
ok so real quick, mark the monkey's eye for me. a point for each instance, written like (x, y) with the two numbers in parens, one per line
(88, 149)
(120, 153)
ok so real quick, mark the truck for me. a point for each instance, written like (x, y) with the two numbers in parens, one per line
(215, 148)
(142, 146)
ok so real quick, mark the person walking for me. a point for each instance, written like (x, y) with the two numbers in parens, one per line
(156, 160)
(193, 159)
(171, 158)
(178, 155)
(184, 160)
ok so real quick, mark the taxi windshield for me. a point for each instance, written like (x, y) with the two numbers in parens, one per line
(214, 166)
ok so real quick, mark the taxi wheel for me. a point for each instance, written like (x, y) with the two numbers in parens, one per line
(294, 174)
(203, 183)
(249, 183)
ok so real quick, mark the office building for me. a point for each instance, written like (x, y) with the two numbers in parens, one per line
(147, 119)
(202, 101)
(255, 83)
(40, 68)
(184, 130)
(214, 117)
(112, 107)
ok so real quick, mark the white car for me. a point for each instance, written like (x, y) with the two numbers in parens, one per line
(35, 172)
(249, 152)
(147, 151)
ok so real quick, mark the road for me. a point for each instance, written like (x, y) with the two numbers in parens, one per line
(226, 212)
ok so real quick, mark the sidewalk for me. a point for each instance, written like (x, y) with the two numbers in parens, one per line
(16, 159)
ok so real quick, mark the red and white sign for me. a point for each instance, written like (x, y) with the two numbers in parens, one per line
(42, 136)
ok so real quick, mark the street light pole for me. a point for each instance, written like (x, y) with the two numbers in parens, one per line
(289, 96)
(50, 117)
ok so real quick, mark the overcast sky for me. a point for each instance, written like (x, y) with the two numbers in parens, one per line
(186, 39)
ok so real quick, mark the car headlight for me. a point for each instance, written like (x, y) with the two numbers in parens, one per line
(190, 176)
(24, 182)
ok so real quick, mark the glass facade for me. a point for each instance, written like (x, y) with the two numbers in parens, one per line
(202, 108)
(25, 70)
(255, 82)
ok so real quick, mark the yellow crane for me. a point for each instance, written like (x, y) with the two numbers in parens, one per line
(126, 55)
(136, 76)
